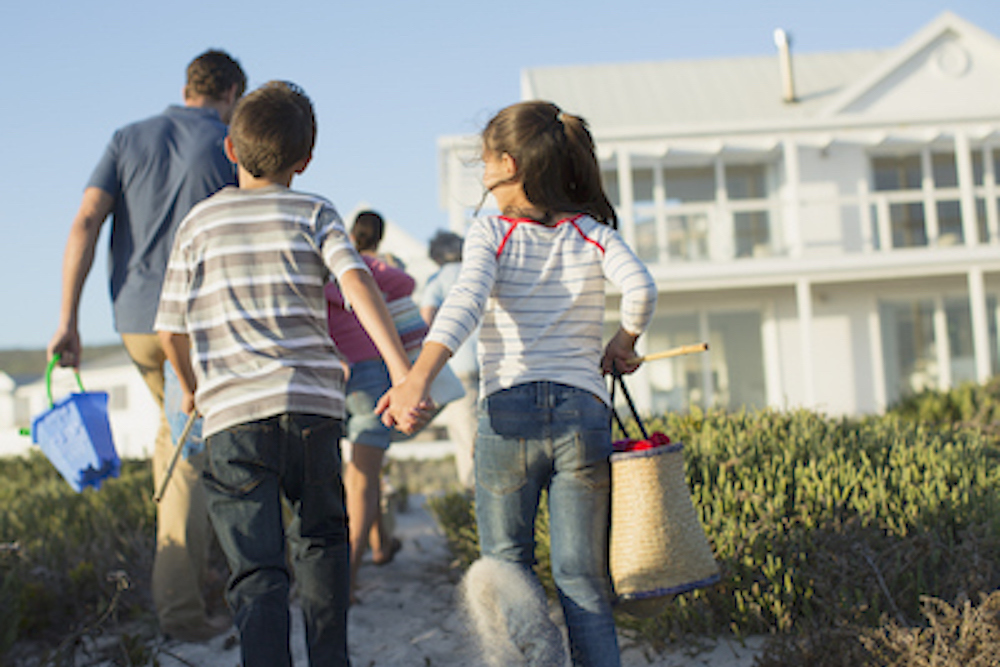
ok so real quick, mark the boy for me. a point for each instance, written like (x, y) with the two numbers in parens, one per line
(244, 287)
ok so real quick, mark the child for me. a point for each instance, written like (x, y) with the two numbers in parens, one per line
(535, 278)
(244, 286)
(368, 380)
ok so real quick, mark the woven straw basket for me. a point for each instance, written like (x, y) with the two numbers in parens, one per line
(658, 546)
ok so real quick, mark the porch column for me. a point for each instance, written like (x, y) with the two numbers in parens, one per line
(708, 387)
(660, 201)
(963, 160)
(772, 356)
(803, 298)
(877, 360)
(627, 196)
(941, 348)
(980, 325)
(931, 227)
(990, 186)
(792, 228)
(721, 240)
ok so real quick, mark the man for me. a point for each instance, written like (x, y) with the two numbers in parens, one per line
(150, 176)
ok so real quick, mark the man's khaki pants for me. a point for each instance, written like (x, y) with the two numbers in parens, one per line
(182, 526)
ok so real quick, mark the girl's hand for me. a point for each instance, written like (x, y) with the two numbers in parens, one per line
(406, 406)
(619, 353)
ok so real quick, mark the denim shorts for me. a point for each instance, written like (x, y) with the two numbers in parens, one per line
(369, 379)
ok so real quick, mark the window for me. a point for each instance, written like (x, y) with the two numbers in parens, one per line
(960, 348)
(753, 234)
(897, 173)
(696, 184)
(746, 181)
(736, 363)
(908, 348)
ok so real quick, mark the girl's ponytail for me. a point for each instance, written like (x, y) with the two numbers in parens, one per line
(554, 153)
(584, 182)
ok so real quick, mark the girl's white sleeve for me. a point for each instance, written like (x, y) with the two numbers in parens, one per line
(627, 272)
(463, 308)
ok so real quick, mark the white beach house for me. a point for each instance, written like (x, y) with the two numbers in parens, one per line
(828, 222)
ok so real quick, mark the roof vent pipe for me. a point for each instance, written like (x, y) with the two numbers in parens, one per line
(784, 42)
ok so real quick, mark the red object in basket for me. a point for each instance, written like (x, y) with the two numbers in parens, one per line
(629, 445)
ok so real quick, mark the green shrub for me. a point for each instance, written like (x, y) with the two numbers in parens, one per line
(833, 523)
(65, 553)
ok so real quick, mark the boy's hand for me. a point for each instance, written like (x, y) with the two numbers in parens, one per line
(187, 403)
(405, 407)
(619, 353)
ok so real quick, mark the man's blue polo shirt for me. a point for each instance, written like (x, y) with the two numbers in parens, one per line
(156, 170)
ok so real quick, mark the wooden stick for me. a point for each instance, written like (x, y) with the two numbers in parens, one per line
(177, 454)
(672, 352)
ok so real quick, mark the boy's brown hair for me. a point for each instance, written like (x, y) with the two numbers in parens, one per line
(273, 128)
(212, 74)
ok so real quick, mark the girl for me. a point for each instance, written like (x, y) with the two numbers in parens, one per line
(534, 276)
(368, 379)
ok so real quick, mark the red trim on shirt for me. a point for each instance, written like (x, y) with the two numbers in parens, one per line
(506, 237)
(585, 237)
(514, 222)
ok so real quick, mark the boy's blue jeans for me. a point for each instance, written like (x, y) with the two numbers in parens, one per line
(547, 435)
(250, 467)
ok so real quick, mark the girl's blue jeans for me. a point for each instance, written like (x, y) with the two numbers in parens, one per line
(250, 467)
(544, 435)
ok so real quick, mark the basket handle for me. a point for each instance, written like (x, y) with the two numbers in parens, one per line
(617, 379)
(48, 378)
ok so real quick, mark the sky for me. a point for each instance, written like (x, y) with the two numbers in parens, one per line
(387, 79)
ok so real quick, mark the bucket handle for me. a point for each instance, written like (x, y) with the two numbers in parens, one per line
(48, 386)
(48, 378)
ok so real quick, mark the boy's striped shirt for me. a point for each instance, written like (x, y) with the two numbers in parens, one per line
(245, 281)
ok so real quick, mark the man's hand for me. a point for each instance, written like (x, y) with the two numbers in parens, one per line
(66, 343)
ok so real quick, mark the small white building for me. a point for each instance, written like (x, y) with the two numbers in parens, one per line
(133, 414)
(828, 222)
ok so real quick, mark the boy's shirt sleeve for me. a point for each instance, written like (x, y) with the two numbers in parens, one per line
(172, 312)
(334, 244)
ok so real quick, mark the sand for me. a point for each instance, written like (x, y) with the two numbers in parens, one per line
(409, 616)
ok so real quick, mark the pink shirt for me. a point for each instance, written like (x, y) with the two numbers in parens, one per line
(348, 335)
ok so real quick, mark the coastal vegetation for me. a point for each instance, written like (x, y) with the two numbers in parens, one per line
(867, 541)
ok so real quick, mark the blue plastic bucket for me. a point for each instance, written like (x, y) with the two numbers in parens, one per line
(75, 435)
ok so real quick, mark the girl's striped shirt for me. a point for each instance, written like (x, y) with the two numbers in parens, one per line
(538, 291)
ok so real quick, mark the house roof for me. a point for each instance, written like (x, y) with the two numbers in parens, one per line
(686, 92)
(949, 56)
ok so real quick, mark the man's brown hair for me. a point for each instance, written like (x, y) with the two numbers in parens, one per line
(212, 74)
(273, 128)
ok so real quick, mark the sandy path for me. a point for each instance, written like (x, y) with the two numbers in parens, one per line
(409, 617)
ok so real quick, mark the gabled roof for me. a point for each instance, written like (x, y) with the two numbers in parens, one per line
(688, 92)
(948, 69)
(942, 29)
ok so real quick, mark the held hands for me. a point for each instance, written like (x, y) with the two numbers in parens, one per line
(406, 406)
(619, 354)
